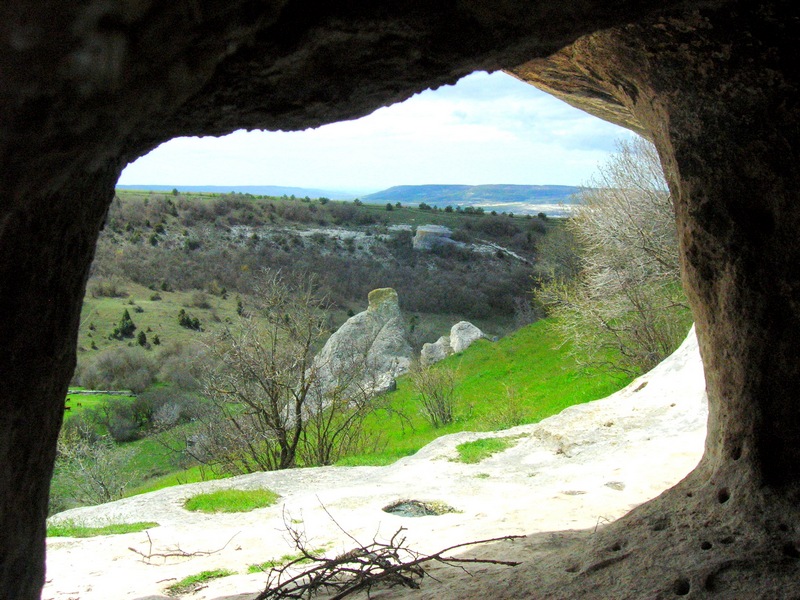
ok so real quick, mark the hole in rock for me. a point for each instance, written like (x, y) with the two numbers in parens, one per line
(681, 587)
(790, 550)
(417, 508)
(723, 495)
(736, 453)
(706, 545)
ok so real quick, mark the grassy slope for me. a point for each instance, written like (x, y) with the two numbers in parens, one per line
(160, 317)
(541, 376)
(527, 364)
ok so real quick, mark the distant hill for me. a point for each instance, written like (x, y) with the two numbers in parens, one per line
(513, 198)
(256, 190)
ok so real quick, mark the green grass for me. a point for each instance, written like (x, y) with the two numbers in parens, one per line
(297, 558)
(71, 529)
(187, 584)
(194, 474)
(520, 379)
(474, 452)
(78, 402)
(231, 501)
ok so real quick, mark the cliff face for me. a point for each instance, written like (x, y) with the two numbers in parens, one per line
(370, 349)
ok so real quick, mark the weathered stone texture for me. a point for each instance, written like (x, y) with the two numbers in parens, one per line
(371, 348)
(87, 86)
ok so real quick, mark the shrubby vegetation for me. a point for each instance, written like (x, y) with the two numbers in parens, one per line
(435, 389)
(268, 403)
(117, 368)
(622, 290)
(205, 241)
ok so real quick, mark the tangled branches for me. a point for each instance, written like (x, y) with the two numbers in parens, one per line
(390, 563)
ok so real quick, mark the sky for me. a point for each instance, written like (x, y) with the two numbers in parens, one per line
(488, 128)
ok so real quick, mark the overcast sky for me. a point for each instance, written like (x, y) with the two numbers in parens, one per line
(488, 128)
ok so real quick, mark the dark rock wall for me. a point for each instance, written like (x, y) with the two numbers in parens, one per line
(718, 93)
(87, 86)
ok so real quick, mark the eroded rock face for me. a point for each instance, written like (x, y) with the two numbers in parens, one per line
(370, 349)
(718, 112)
(430, 236)
(434, 352)
(462, 334)
(88, 86)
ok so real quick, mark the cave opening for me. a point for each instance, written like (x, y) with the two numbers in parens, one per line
(90, 87)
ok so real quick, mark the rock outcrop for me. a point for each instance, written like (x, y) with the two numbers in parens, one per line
(462, 334)
(430, 236)
(370, 349)
(434, 352)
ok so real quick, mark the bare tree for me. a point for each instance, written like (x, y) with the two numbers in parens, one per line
(88, 470)
(627, 297)
(268, 404)
(435, 389)
(337, 407)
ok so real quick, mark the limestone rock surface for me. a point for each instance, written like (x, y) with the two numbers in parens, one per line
(430, 236)
(372, 344)
(434, 352)
(462, 334)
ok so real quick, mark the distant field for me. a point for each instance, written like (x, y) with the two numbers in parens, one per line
(77, 402)
(153, 311)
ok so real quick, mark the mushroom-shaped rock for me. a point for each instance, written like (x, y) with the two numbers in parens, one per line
(370, 349)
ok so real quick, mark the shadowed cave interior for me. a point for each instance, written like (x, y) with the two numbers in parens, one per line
(89, 86)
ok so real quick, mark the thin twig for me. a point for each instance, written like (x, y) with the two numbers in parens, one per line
(177, 552)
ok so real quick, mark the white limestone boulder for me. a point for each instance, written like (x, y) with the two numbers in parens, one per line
(372, 346)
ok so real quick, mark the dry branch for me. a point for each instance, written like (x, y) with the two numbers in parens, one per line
(390, 563)
(176, 552)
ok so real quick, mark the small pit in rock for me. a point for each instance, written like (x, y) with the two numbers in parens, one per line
(417, 508)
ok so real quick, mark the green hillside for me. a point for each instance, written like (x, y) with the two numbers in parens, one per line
(522, 378)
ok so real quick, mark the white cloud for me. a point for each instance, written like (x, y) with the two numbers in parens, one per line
(486, 129)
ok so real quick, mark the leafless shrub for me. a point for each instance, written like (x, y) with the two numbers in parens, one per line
(107, 288)
(268, 405)
(118, 369)
(435, 389)
(199, 299)
(508, 410)
(628, 296)
(88, 471)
